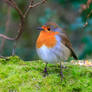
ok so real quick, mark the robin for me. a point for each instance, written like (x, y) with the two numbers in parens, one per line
(53, 45)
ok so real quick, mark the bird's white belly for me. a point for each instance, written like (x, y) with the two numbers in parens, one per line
(55, 54)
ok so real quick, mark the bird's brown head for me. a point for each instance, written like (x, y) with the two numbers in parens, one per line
(49, 27)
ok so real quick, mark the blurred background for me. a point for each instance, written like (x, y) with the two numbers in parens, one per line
(71, 15)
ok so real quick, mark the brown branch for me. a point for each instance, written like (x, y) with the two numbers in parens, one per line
(6, 30)
(28, 9)
(13, 4)
(86, 7)
(22, 21)
(37, 4)
(87, 18)
(6, 37)
(89, 14)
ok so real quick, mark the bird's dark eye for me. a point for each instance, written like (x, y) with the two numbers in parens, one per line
(48, 29)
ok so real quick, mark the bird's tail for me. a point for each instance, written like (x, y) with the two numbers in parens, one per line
(74, 55)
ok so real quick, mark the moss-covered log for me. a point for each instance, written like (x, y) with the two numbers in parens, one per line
(19, 76)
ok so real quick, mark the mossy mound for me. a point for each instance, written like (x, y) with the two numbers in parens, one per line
(19, 76)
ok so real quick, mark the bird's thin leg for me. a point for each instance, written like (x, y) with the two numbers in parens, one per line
(61, 73)
(45, 70)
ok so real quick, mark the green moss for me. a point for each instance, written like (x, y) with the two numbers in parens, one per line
(19, 76)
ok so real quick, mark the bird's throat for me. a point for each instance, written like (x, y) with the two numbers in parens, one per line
(46, 38)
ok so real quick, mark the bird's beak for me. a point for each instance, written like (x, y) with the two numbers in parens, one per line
(39, 28)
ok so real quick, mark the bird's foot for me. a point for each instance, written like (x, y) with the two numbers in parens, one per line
(45, 72)
(61, 74)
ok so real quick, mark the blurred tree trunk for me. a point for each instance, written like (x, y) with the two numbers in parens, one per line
(6, 28)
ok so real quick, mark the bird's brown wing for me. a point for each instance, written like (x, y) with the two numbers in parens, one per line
(66, 42)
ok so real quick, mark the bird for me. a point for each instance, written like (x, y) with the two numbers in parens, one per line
(53, 45)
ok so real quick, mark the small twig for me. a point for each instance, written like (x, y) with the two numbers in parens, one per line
(85, 24)
(6, 37)
(13, 4)
(89, 14)
(28, 9)
(87, 18)
(37, 4)
(87, 6)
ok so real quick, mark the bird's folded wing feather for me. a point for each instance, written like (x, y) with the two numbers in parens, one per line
(67, 43)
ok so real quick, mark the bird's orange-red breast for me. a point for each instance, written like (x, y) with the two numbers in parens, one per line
(53, 45)
(46, 38)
